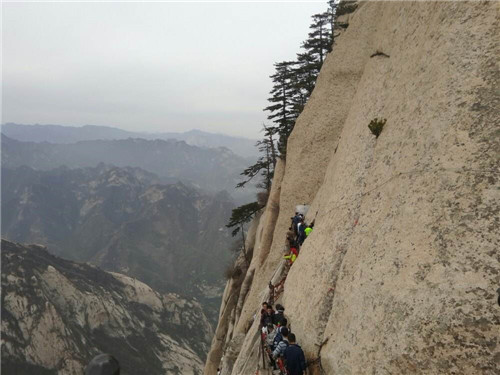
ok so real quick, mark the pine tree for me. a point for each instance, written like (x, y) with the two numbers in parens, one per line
(239, 217)
(282, 110)
(266, 146)
(306, 74)
(265, 164)
(318, 43)
(332, 8)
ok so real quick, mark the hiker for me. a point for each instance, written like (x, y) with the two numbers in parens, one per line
(277, 337)
(302, 233)
(294, 357)
(264, 308)
(269, 344)
(309, 229)
(279, 348)
(263, 311)
(267, 317)
(271, 333)
(279, 316)
(295, 222)
(103, 364)
(292, 255)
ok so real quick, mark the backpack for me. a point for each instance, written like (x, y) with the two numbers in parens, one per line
(277, 338)
(283, 352)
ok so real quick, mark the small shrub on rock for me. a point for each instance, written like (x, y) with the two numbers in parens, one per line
(346, 7)
(376, 125)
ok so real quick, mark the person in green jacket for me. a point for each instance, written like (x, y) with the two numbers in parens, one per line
(309, 229)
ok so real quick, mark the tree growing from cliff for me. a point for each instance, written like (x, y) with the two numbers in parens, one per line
(239, 217)
(319, 41)
(282, 111)
(293, 83)
(265, 164)
(305, 80)
(267, 147)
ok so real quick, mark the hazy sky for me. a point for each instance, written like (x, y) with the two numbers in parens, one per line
(147, 66)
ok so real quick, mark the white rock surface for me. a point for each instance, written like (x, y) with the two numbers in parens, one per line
(400, 273)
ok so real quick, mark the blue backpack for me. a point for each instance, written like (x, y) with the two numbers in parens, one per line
(277, 338)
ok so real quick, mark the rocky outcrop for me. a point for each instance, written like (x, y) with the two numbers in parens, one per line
(56, 315)
(401, 271)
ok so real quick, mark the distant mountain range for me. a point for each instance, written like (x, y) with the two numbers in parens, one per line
(69, 134)
(57, 315)
(171, 237)
(210, 169)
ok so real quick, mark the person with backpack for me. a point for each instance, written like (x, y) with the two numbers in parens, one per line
(271, 333)
(294, 357)
(282, 336)
(277, 337)
(279, 316)
(301, 232)
(295, 222)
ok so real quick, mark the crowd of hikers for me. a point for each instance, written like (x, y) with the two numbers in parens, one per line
(284, 354)
(297, 233)
(279, 343)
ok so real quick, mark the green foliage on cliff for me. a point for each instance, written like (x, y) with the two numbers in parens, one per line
(376, 125)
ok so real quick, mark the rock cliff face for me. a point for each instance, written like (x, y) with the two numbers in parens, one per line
(401, 271)
(57, 315)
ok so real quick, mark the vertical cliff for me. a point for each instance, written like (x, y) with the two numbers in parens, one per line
(401, 271)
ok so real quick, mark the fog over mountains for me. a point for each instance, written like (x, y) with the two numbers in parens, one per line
(210, 169)
(153, 210)
(71, 134)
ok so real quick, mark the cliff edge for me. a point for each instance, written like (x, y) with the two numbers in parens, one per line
(401, 270)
